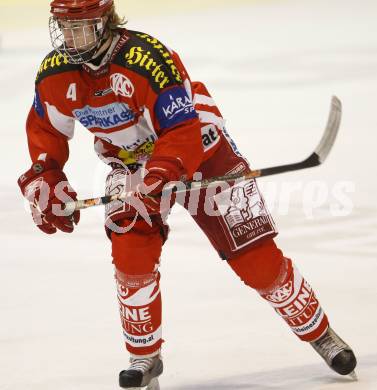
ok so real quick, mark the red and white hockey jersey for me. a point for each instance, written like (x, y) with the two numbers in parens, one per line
(138, 102)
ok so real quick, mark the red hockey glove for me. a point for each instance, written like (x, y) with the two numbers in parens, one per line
(46, 188)
(146, 197)
(160, 172)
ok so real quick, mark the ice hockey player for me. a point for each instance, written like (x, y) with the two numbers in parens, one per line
(135, 96)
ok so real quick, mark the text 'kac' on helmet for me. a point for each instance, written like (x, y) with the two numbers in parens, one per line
(80, 9)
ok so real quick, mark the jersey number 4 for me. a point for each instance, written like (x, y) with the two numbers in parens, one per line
(72, 92)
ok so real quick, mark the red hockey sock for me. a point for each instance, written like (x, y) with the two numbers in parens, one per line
(280, 283)
(136, 257)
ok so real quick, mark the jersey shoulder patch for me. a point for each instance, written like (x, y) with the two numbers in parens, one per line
(148, 57)
(54, 63)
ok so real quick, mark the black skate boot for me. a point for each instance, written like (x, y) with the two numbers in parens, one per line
(142, 373)
(336, 353)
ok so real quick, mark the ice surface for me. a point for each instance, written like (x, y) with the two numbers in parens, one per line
(272, 67)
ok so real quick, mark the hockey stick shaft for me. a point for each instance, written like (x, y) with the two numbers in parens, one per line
(316, 158)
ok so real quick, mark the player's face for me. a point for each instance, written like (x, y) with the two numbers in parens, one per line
(79, 34)
(77, 40)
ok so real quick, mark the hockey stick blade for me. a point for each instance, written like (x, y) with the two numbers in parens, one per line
(319, 155)
(322, 150)
(328, 139)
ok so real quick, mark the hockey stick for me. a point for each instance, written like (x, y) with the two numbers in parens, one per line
(316, 158)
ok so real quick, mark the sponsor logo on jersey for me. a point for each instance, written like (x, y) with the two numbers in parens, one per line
(231, 143)
(103, 92)
(53, 62)
(140, 154)
(239, 168)
(177, 105)
(173, 107)
(244, 213)
(106, 117)
(144, 59)
(165, 54)
(121, 85)
(210, 137)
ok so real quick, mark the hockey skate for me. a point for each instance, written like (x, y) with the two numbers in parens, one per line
(336, 353)
(143, 373)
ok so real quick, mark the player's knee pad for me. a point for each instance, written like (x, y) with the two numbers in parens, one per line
(261, 266)
(137, 251)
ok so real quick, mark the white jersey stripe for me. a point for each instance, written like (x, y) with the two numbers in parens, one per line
(63, 123)
(187, 86)
(148, 118)
(203, 99)
(209, 117)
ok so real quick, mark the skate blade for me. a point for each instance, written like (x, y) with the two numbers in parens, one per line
(354, 376)
(153, 384)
